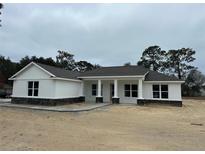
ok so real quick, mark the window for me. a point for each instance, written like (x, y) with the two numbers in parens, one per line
(131, 90)
(101, 89)
(164, 91)
(155, 89)
(160, 91)
(33, 87)
(134, 90)
(127, 90)
(94, 89)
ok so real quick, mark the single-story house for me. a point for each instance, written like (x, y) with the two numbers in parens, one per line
(48, 85)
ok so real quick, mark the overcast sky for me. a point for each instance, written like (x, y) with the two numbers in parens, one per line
(105, 34)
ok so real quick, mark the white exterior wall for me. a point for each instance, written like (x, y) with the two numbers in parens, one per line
(48, 88)
(174, 91)
(122, 97)
(33, 73)
(106, 90)
(68, 89)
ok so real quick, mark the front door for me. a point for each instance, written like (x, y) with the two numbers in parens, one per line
(111, 91)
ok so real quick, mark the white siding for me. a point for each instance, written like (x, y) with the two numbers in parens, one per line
(88, 90)
(124, 99)
(175, 91)
(68, 89)
(46, 88)
(106, 90)
(173, 88)
(33, 72)
(147, 91)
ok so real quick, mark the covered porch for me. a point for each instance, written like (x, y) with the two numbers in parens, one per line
(115, 90)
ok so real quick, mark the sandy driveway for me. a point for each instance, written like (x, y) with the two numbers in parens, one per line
(110, 128)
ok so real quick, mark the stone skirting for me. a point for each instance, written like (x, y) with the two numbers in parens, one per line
(149, 101)
(115, 100)
(45, 101)
(99, 99)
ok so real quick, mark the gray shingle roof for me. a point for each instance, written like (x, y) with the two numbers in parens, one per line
(59, 72)
(110, 71)
(116, 71)
(155, 76)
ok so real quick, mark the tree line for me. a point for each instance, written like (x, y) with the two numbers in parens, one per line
(175, 62)
(172, 62)
(1, 6)
(63, 60)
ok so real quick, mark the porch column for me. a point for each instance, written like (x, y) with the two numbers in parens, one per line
(99, 88)
(115, 99)
(82, 95)
(99, 98)
(140, 89)
(115, 89)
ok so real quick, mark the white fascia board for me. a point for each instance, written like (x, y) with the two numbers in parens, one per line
(164, 81)
(51, 78)
(65, 79)
(108, 77)
(31, 63)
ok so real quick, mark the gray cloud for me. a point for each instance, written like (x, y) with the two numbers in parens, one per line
(107, 34)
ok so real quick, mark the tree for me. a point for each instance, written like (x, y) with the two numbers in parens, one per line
(7, 68)
(1, 6)
(178, 61)
(83, 66)
(26, 60)
(193, 83)
(127, 64)
(153, 56)
(65, 60)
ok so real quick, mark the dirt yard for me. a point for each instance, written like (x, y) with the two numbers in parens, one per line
(118, 127)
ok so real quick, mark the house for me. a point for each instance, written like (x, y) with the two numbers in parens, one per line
(48, 85)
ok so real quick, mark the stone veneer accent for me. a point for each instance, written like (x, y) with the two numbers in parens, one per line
(149, 101)
(47, 102)
(99, 99)
(115, 100)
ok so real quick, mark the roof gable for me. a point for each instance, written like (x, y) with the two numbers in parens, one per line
(40, 70)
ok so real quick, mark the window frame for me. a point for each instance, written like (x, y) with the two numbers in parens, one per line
(94, 90)
(160, 91)
(164, 91)
(134, 90)
(155, 91)
(33, 88)
(130, 90)
(127, 90)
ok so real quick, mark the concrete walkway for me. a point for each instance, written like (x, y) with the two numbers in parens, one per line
(62, 108)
